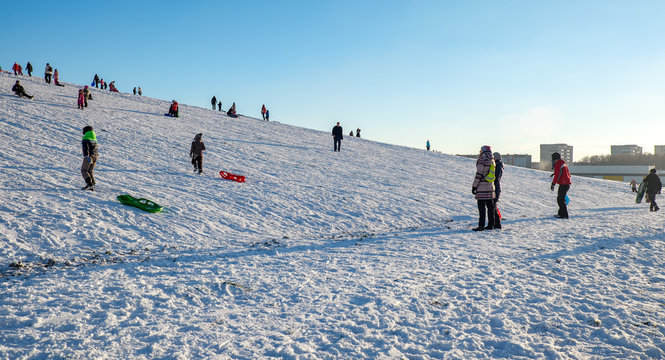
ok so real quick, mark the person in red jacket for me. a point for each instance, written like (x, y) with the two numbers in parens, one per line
(173, 110)
(263, 111)
(560, 176)
(15, 68)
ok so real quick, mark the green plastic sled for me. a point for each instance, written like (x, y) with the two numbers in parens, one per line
(143, 204)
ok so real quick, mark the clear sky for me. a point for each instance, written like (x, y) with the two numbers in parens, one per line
(511, 74)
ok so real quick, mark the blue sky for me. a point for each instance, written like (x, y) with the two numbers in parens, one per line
(511, 74)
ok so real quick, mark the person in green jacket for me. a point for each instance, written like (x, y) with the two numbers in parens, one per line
(89, 146)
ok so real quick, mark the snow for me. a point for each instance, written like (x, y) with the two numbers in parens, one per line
(365, 253)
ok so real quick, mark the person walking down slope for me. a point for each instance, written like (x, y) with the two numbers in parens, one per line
(28, 68)
(263, 112)
(196, 153)
(89, 146)
(427, 145)
(498, 173)
(20, 91)
(654, 185)
(338, 136)
(213, 101)
(633, 185)
(483, 188)
(561, 176)
(48, 72)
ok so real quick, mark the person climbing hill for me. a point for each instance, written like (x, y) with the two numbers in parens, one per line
(89, 146)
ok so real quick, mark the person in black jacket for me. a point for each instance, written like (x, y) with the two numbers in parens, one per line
(19, 90)
(196, 153)
(28, 68)
(89, 146)
(337, 134)
(653, 187)
(498, 172)
(213, 101)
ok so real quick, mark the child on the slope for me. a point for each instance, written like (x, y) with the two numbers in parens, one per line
(196, 153)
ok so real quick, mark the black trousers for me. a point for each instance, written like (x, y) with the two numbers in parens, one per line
(652, 203)
(486, 207)
(561, 200)
(197, 161)
(337, 144)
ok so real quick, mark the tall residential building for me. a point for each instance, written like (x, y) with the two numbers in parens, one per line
(546, 151)
(659, 149)
(626, 150)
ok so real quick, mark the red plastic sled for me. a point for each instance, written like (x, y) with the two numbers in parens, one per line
(228, 176)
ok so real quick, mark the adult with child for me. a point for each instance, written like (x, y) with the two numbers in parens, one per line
(654, 185)
(196, 153)
(560, 176)
(20, 91)
(483, 188)
(338, 136)
(89, 147)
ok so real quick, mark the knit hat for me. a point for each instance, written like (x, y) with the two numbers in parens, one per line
(497, 156)
(486, 148)
(556, 156)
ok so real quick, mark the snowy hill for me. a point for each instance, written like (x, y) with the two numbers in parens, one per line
(366, 253)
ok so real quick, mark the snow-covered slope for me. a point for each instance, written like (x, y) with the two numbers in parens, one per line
(366, 253)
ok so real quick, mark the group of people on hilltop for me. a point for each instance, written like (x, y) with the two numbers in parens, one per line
(18, 69)
(265, 113)
(139, 91)
(357, 133)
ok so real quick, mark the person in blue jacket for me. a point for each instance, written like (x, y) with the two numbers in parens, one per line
(89, 146)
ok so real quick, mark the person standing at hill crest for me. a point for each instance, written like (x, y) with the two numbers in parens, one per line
(213, 101)
(263, 111)
(28, 68)
(483, 188)
(89, 146)
(48, 72)
(560, 176)
(338, 135)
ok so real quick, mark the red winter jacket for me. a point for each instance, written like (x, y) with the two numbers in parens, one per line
(561, 173)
